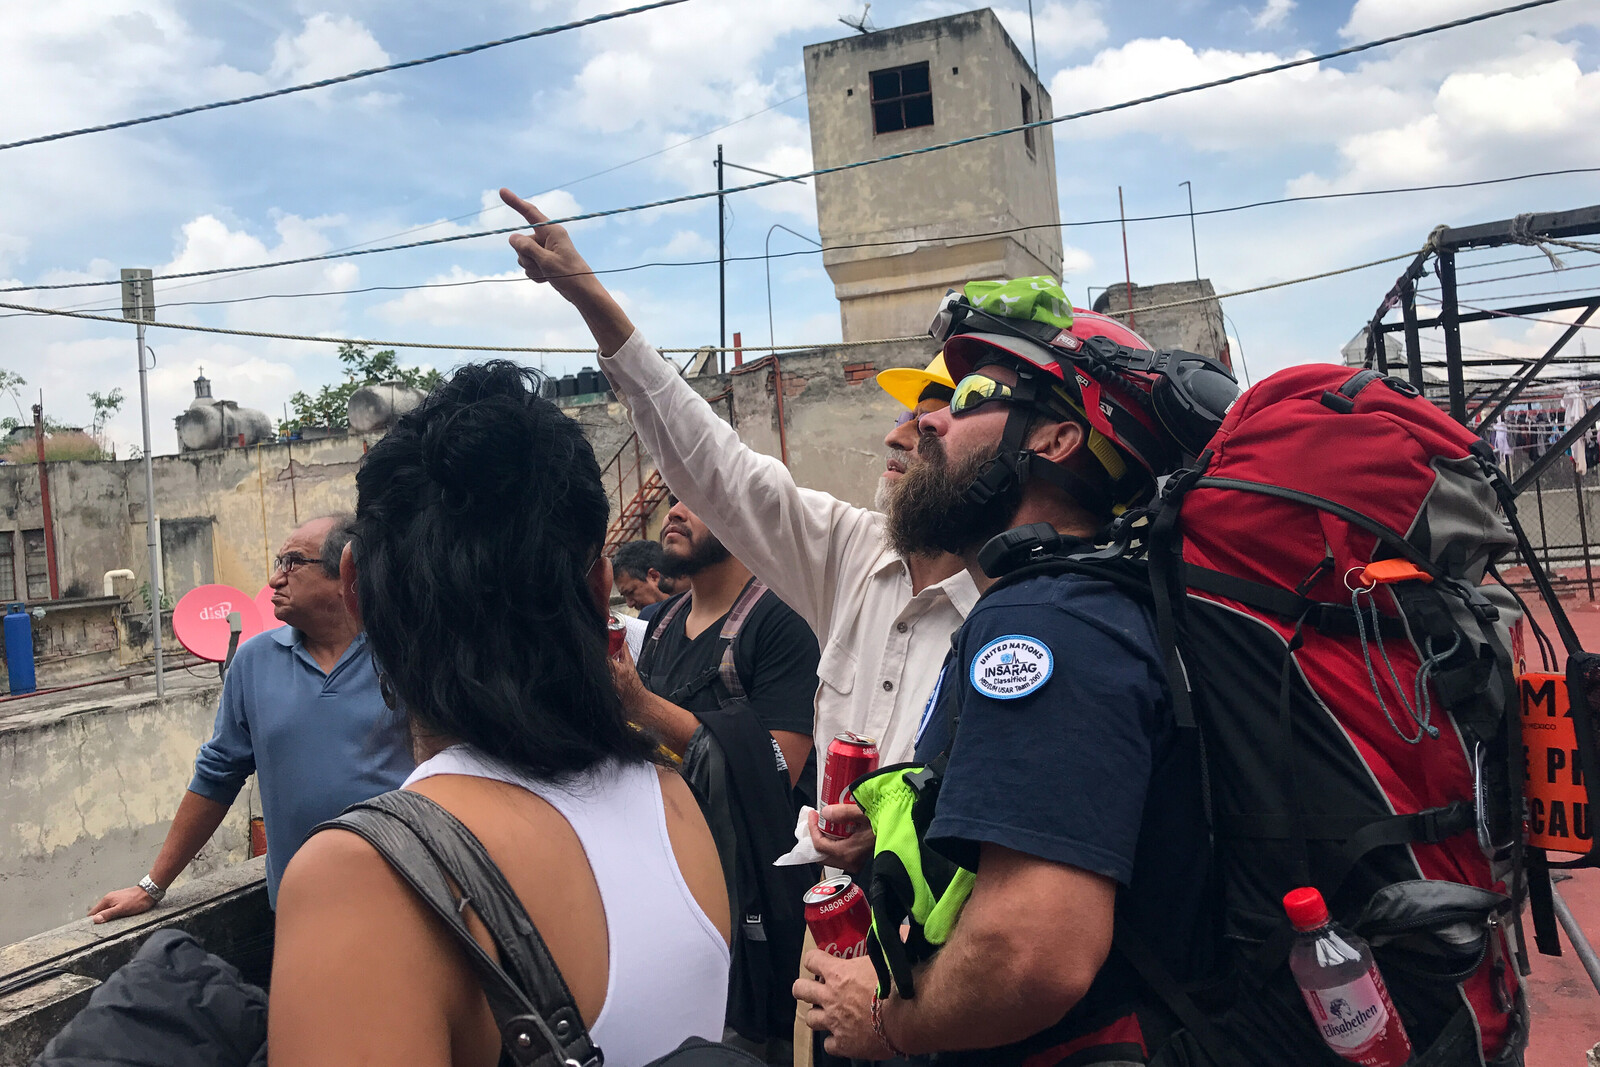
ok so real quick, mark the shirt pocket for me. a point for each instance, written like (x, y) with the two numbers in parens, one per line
(836, 670)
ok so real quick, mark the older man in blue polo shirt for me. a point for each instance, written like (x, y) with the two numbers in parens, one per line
(301, 708)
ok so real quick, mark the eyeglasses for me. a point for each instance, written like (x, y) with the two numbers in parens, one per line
(288, 562)
(914, 414)
(975, 390)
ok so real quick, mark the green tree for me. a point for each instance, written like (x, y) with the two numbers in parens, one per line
(329, 406)
(105, 406)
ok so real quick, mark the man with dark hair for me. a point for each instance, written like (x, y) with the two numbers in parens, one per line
(775, 654)
(302, 708)
(636, 569)
(726, 678)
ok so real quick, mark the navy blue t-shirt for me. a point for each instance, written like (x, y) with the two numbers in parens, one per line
(1065, 749)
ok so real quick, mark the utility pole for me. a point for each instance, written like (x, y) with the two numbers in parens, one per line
(722, 258)
(139, 304)
(1194, 245)
(722, 271)
(1035, 38)
(1127, 271)
(52, 576)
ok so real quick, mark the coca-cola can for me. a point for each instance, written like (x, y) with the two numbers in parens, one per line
(617, 636)
(849, 757)
(838, 916)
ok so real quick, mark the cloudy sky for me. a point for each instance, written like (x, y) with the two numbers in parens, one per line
(418, 153)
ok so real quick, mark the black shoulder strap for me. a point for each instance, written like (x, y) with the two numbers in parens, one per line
(428, 847)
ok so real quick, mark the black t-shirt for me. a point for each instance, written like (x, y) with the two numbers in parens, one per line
(775, 656)
(649, 611)
(1065, 749)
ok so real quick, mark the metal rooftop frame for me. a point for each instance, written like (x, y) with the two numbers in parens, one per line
(1531, 230)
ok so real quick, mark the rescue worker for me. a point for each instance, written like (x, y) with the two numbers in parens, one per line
(1053, 792)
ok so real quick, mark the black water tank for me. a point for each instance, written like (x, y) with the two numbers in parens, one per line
(589, 381)
(567, 386)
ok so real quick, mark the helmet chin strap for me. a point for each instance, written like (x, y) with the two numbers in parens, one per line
(1013, 465)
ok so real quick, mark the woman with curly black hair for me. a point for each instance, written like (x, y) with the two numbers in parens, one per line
(476, 568)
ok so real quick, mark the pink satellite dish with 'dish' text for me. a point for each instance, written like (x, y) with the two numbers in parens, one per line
(269, 619)
(200, 620)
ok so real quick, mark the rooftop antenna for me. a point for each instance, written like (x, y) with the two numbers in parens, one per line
(860, 25)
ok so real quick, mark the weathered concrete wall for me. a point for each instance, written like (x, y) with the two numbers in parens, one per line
(89, 781)
(226, 911)
(914, 214)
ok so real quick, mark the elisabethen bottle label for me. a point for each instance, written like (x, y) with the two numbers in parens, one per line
(1349, 1016)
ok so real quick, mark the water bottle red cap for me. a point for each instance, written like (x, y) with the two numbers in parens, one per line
(1306, 908)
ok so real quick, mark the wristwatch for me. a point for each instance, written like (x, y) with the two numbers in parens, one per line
(154, 891)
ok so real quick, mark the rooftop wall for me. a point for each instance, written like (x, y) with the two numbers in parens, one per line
(89, 782)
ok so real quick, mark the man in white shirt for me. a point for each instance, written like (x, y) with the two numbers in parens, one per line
(883, 620)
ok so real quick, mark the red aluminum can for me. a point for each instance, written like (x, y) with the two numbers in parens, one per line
(838, 916)
(849, 757)
(617, 635)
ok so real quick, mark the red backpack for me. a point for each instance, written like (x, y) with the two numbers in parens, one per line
(1321, 582)
(1353, 678)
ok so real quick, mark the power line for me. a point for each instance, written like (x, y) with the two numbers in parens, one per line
(646, 265)
(61, 313)
(1106, 109)
(354, 75)
(457, 218)
(1256, 288)
(1511, 315)
(865, 244)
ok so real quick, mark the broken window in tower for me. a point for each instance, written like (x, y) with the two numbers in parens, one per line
(8, 566)
(35, 564)
(902, 98)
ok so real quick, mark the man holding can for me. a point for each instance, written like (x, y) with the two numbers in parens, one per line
(1052, 798)
(882, 616)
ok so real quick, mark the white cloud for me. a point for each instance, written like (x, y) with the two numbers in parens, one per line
(326, 47)
(1312, 103)
(684, 244)
(1075, 262)
(1539, 105)
(1272, 14)
(1060, 26)
(669, 75)
(504, 308)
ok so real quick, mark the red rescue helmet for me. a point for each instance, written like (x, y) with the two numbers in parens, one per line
(1145, 410)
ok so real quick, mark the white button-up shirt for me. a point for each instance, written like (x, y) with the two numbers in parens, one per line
(881, 646)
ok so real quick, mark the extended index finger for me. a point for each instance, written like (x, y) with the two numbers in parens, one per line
(522, 207)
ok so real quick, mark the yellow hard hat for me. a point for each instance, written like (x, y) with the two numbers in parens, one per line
(906, 384)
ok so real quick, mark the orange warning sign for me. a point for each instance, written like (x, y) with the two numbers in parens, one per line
(1558, 805)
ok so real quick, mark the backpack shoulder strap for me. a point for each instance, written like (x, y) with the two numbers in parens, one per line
(732, 623)
(432, 851)
(658, 626)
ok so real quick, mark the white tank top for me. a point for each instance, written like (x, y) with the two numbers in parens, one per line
(667, 973)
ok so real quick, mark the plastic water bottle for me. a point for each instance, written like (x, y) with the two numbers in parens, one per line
(1349, 1003)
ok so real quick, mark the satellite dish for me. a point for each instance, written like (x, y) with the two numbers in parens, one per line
(200, 620)
(269, 618)
(860, 25)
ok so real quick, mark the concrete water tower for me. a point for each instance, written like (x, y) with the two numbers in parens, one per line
(887, 91)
